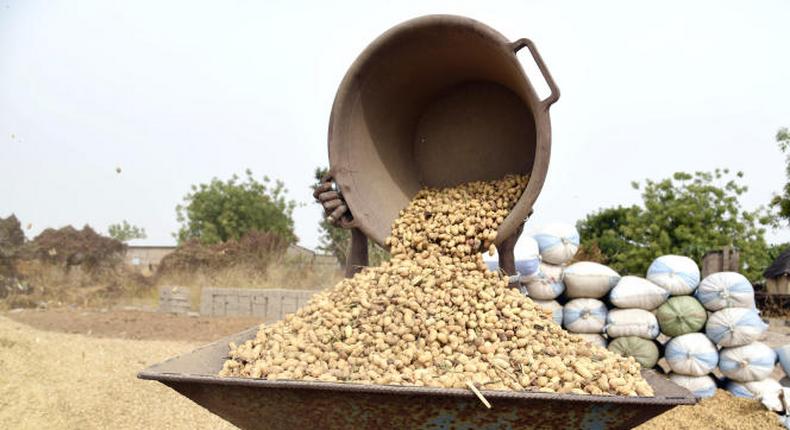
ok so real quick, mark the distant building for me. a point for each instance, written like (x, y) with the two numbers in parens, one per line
(777, 275)
(146, 258)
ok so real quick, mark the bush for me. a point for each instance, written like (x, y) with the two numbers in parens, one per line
(71, 247)
(255, 249)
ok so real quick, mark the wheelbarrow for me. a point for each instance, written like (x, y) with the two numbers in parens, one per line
(291, 405)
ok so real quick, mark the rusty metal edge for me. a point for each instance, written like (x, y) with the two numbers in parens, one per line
(151, 373)
(406, 390)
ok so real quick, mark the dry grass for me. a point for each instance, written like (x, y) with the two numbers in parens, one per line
(66, 381)
(56, 284)
(286, 274)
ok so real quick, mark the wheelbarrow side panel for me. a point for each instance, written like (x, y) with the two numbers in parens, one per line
(263, 404)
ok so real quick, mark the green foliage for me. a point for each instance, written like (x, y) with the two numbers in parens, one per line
(781, 202)
(221, 211)
(687, 214)
(336, 240)
(776, 249)
(125, 232)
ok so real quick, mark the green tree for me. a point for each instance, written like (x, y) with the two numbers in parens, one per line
(125, 232)
(687, 214)
(781, 202)
(336, 240)
(223, 210)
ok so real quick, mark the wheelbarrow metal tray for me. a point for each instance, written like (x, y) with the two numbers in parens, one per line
(263, 404)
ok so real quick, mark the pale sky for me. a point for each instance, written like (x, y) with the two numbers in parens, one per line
(175, 93)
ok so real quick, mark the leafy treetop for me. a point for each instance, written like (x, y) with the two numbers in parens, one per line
(224, 210)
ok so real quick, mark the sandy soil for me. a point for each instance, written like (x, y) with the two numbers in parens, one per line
(131, 324)
(66, 368)
(70, 381)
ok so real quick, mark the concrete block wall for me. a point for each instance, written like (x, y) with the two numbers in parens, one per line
(269, 305)
(174, 300)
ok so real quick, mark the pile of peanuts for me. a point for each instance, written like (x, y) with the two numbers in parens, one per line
(435, 316)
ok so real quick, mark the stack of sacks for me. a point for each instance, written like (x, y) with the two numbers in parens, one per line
(692, 357)
(680, 318)
(632, 325)
(556, 244)
(735, 325)
(585, 284)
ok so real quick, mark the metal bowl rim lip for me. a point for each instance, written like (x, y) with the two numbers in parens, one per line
(352, 388)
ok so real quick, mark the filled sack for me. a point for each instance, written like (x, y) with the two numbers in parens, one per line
(584, 316)
(631, 322)
(636, 292)
(735, 326)
(681, 315)
(593, 338)
(644, 351)
(783, 354)
(586, 279)
(725, 290)
(558, 243)
(677, 274)
(701, 387)
(692, 354)
(747, 363)
(545, 284)
(767, 391)
(554, 307)
(527, 256)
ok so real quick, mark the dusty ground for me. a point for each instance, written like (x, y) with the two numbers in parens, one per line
(66, 368)
(72, 381)
(131, 324)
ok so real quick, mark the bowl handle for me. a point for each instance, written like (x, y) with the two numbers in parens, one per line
(555, 91)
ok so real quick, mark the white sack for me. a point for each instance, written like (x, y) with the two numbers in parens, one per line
(677, 274)
(691, 354)
(554, 307)
(545, 284)
(735, 326)
(636, 292)
(631, 322)
(558, 243)
(700, 386)
(747, 363)
(586, 279)
(725, 290)
(584, 316)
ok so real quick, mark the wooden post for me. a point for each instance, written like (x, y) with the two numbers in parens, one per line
(357, 252)
(726, 259)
